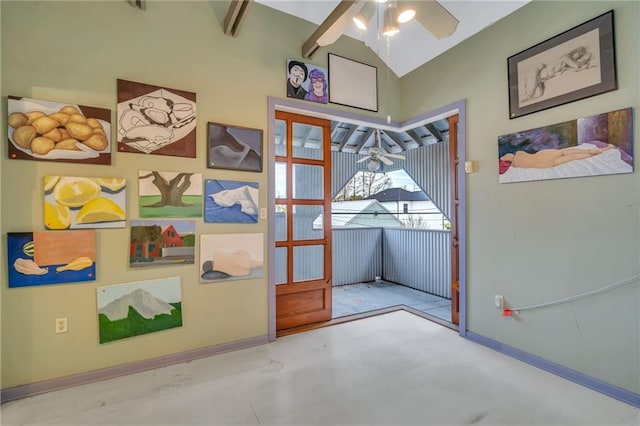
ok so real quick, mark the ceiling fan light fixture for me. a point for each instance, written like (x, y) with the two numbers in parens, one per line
(406, 13)
(364, 16)
(373, 165)
(390, 27)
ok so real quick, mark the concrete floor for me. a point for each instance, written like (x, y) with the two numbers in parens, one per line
(392, 369)
(363, 297)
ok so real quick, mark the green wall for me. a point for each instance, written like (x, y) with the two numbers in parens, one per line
(74, 52)
(535, 242)
(531, 242)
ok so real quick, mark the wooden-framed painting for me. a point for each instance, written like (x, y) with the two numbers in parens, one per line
(600, 144)
(576, 64)
(78, 202)
(156, 120)
(54, 131)
(353, 83)
(230, 201)
(162, 242)
(169, 194)
(50, 257)
(229, 257)
(141, 307)
(234, 147)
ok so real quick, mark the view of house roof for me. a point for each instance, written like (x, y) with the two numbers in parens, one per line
(398, 194)
(358, 213)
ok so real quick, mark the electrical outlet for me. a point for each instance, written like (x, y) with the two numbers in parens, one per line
(62, 325)
(263, 213)
(499, 301)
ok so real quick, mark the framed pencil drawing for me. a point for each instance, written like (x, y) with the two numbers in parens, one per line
(577, 64)
(234, 147)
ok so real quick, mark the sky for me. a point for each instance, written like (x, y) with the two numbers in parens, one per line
(167, 289)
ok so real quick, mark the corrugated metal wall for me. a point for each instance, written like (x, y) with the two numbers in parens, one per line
(419, 259)
(357, 255)
(429, 168)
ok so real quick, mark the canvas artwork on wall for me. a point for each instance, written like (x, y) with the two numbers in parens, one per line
(50, 257)
(307, 81)
(162, 242)
(54, 131)
(170, 194)
(132, 309)
(600, 144)
(229, 201)
(233, 147)
(228, 257)
(72, 202)
(156, 120)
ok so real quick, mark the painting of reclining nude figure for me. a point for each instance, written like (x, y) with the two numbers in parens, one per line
(156, 120)
(600, 144)
(233, 147)
(228, 257)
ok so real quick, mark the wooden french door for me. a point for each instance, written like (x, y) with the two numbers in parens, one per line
(454, 163)
(303, 220)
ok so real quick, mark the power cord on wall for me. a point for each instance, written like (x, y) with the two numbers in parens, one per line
(507, 312)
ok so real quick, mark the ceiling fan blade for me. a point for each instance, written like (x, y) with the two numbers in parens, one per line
(398, 156)
(385, 160)
(363, 159)
(435, 18)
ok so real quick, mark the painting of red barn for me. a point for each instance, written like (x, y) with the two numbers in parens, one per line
(161, 242)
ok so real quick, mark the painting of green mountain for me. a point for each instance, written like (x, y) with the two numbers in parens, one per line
(132, 309)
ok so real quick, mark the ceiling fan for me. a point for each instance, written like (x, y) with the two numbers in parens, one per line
(429, 13)
(377, 155)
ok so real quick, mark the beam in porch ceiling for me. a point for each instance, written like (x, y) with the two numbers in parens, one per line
(396, 140)
(363, 140)
(416, 137)
(347, 136)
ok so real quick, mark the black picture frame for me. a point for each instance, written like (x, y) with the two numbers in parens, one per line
(576, 64)
(234, 147)
(352, 83)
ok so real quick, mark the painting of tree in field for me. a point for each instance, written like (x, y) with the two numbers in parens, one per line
(170, 194)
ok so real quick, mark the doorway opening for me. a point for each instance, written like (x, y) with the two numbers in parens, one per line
(439, 147)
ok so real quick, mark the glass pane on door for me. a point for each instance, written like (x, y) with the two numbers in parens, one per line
(281, 265)
(308, 182)
(281, 180)
(281, 222)
(308, 263)
(307, 222)
(281, 137)
(307, 141)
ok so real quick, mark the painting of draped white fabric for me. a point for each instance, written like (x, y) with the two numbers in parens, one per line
(228, 257)
(600, 144)
(234, 148)
(229, 201)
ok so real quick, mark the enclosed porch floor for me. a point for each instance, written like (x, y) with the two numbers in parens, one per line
(364, 297)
